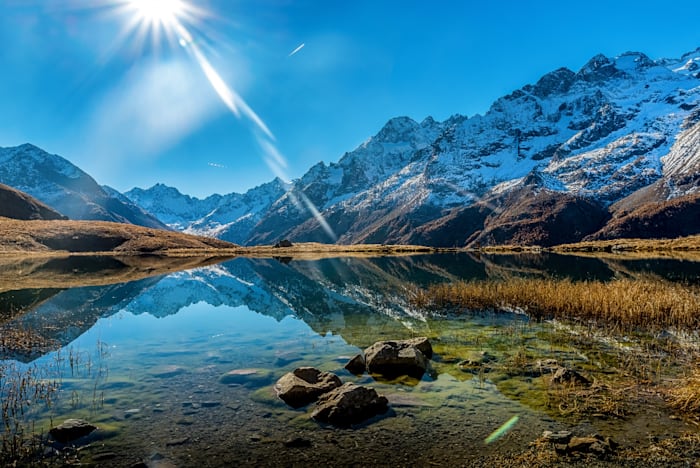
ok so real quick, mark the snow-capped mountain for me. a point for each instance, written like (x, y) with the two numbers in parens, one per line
(64, 187)
(574, 144)
(229, 217)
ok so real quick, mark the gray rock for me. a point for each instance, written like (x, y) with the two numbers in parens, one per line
(356, 365)
(596, 445)
(71, 429)
(304, 385)
(395, 358)
(349, 404)
(564, 375)
(559, 437)
(476, 361)
(283, 243)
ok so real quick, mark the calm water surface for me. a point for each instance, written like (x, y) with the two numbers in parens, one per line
(146, 361)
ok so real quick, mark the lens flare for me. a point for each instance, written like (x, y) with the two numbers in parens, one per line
(173, 19)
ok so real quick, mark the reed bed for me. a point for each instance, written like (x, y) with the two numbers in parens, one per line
(626, 303)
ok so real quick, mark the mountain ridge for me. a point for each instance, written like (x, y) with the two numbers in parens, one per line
(61, 185)
(576, 148)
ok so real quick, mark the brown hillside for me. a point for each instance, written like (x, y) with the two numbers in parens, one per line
(674, 218)
(542, 218)
(96, 236)
(19, 205)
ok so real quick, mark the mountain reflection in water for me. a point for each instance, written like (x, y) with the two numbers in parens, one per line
(180, 366)
(330, 295)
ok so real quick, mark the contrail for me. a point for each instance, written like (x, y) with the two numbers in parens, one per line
(301, 46)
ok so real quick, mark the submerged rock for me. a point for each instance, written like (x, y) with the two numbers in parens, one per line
(252, 377)
(349, 404)
(395, 358)
(167, 371)
(304, 385)
(71, 429)
(476, 361)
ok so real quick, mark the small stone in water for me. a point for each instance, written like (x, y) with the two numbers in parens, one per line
(297, 442)
(165, 372)
(180, 441)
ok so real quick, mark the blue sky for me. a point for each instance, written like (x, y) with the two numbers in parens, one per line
(135, 112)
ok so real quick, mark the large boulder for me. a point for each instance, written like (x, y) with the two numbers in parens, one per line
(71, 429)
(395, 358)
(304, 385)
(349, 404)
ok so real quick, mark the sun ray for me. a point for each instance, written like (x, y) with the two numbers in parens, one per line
(171, 21)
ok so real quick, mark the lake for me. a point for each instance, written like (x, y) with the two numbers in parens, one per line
(178, 369)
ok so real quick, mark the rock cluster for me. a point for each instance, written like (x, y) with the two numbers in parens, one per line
(345, 404)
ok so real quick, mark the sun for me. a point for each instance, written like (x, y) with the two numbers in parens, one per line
(158, 12)
(157, 22)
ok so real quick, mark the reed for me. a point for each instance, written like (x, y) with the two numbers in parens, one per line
(625, 303)
(22, 391)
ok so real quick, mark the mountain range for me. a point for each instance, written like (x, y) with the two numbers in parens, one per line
(611, 150)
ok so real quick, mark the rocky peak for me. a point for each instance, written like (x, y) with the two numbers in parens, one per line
(633, 61)
(557, 82)
(397, 129)
(599, 68)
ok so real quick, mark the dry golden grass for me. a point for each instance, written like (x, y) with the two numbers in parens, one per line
(690, 243)
(685, 396)
(624, 302)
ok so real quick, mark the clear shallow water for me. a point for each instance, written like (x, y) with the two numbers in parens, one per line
(144, 361)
